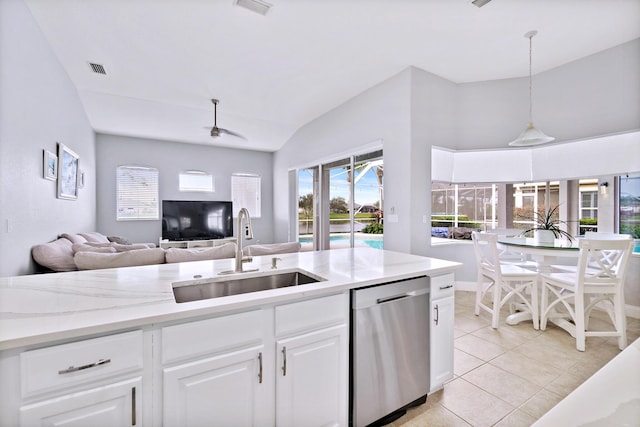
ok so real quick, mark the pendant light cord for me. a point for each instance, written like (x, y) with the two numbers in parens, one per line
(530, 81)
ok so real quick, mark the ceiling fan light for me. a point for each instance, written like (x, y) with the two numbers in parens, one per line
(531, 136)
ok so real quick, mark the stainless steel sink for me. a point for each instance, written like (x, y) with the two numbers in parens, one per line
(195, 290)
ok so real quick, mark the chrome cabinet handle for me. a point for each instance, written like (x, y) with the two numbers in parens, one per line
(442, 288)
(284, 361)
(437, 314)
(260, 369)
(83, 367)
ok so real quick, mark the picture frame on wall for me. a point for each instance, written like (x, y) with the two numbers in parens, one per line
(68, 162)
(49, 165)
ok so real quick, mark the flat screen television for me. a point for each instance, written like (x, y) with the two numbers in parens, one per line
(196, 219)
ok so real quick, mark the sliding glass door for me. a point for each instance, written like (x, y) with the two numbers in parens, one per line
(340, 203)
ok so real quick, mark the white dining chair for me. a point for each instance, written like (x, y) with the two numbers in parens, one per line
(599, 235)
(509, 256)
(597, 281)
(507, 283)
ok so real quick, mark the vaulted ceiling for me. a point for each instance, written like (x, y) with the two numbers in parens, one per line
(166, 59)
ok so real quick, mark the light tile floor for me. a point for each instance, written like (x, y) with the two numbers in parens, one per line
(512, 375)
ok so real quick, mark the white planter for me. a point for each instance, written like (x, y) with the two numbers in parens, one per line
(543, 237)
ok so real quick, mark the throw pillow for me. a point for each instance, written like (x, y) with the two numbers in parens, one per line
(118, 239)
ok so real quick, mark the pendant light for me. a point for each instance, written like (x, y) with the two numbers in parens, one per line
(531, 135)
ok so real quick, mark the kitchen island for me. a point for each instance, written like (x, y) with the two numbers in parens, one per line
(163, 350)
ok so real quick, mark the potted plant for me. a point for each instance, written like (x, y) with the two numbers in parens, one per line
(547, 227)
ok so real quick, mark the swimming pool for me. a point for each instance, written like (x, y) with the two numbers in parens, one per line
(372, 240)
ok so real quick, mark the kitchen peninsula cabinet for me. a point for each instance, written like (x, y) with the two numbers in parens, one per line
(441, 337)
(214, 371)
(95, 382)
(146, 360)
(312, 362)
(227, 372)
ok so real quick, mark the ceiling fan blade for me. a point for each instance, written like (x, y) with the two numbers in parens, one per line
(215, 130)
(229, 132)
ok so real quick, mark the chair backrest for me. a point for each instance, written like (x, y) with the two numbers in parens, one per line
(509, 232)
(604, 261)
(606, 236)
(486, 249)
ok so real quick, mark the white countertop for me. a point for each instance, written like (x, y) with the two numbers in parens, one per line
(42, 308)
(611, 397)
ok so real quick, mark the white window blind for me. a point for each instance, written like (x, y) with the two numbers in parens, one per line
(137, 193)
(245, 193)
(196, 181)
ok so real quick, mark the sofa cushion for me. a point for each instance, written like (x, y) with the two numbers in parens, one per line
(133, 246)
(274, 248)
(94, 260)
(73, 238)
(119, 239)
(88, 247)
(228, 250)
(95, 237)
(56, 255)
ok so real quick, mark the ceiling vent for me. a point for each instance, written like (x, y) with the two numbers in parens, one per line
(97, 68)
(480, 3)
(257, 6)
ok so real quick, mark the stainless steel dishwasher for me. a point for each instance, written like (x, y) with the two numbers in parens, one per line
(389, 350)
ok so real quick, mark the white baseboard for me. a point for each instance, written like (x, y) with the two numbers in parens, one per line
(465, 286)
(630, 310)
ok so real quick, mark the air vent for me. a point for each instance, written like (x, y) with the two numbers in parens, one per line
(257, 6)
(480, 3)
(97, 68)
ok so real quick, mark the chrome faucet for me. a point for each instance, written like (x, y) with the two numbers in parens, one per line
(247, 231)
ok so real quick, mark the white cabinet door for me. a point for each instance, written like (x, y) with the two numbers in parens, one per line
(312, 375)
(223, 390)
(112, 405)
(441, 352)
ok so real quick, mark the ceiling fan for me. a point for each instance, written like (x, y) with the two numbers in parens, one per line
(215, 130)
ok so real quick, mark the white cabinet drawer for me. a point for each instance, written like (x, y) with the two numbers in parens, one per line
(311, 314)
(211, 335)
(442, 286)
(70, 364)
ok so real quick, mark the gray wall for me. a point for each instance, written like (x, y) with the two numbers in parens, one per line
(380, 113)
(39, 106)
(170, 158)
(593, 96)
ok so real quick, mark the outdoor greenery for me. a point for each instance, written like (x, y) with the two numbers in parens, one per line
(374, 228)
(338, 205)
(633, 229)
(448, 221)
(588, 221)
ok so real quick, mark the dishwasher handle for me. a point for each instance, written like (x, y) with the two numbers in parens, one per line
(396, 297)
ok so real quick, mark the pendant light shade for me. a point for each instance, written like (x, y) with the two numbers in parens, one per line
(531, 135)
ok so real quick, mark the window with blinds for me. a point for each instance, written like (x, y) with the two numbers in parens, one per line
(196, 181)
(137, 193)
(245, 193)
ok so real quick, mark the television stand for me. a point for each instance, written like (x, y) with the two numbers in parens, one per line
(185, 244)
